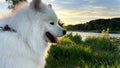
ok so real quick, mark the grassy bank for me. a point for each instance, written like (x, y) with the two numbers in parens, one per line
(100, 52)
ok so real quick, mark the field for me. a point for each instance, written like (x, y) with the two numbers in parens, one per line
(100, 52)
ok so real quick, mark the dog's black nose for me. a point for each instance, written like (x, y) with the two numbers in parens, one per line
(64, 32)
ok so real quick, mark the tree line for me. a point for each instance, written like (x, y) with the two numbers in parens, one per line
(97, 25)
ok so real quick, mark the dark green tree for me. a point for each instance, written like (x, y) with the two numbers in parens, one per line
(97, 25)
(13, 3)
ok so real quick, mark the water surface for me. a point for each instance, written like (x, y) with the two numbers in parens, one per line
(84, 35)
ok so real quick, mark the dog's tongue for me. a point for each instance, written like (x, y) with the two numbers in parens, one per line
(57, 41)
(52, 38)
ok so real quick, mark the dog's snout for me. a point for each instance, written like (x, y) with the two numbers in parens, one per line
(64, 32)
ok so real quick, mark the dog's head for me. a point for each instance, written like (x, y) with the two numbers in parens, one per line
(49, 21)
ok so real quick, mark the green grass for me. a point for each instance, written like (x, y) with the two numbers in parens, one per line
(100, 52)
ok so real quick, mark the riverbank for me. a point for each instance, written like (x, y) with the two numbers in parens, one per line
(95, 31)
(85, 35)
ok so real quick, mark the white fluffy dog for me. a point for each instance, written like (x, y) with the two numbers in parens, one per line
(24, 36)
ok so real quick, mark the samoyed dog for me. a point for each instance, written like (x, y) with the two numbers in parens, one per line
(24, 36)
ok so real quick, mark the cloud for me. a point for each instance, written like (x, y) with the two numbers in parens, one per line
(99, 11)
(48, 1)
(90, 1)
(2, 0)
(86, 13)
(66, 2)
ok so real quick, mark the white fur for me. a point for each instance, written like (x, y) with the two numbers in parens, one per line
(26, 47)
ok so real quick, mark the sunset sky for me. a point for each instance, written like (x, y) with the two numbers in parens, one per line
(79, 11)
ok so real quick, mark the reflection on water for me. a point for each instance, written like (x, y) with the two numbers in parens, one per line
(84, 35)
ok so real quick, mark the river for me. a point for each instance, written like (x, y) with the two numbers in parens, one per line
(84, 35)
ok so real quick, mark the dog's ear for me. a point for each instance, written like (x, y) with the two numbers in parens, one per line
(50, 5)
(36, 4)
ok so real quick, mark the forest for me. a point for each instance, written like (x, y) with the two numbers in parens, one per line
(97, 25)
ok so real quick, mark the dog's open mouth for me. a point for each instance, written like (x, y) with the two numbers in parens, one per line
(52, 38)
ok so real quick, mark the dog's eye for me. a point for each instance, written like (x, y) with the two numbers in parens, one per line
(52, 23)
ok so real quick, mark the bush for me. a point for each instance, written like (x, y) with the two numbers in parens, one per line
(103, 44)
(66, 41)
(74, 38)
